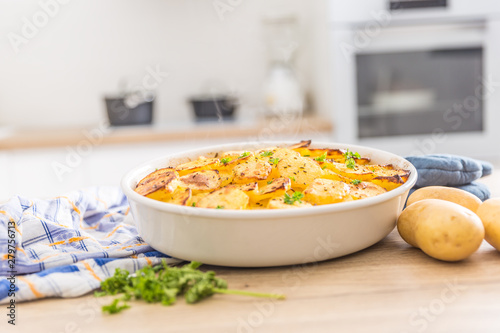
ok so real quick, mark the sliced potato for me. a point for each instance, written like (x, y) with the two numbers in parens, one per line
(301, 144)
(228, 197)
(205, 180)
(181, 196)
(166, 178)
(383, 175)
(251, 171)
(326, 191)
(365, 190)
(197, 165)
(330, 174)
(279, 203)
(276, 187)
(301, 170)
(282, 153)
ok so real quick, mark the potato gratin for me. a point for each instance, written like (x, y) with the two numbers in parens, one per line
(272, 178)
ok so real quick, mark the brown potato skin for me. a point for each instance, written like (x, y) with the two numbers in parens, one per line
(460, 197)
(489, 213)
(442, 229)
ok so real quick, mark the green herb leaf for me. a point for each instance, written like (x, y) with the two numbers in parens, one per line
(114, 307)
(349, 159)
(321, 158)
(225, 160)
(245, 154)
(296, 196)
(193, 204)
(266, 153)
(274, 160)
(269, 182)
(220, 207)
(293, 178)
(355, 181)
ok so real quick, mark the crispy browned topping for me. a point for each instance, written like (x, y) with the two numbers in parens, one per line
(155, 181)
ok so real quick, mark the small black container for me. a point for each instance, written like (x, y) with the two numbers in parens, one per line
(213, 107)
(121, 115)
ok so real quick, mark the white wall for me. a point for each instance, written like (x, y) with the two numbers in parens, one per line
(60, 75)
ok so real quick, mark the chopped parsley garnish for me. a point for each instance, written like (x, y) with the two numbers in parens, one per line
(274, 160)
(355, 181)
(162, 284)
(269, 182)
(219, 207)
(307, 155)
(296, 196)
(266, 153)
(321, 158)
(245, 154)
(349, 159)
(193, 204)
(323, 167)
(225, 160)
(293, 178)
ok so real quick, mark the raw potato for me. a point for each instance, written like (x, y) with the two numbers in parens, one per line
(489, 213)
(443, 230)
(461, 197)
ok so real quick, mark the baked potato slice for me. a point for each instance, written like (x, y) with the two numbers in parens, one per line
(279, 203)
(360, 190)
(330, 174)
(301, 144)
(228, 197)
(251, 171)
(198, 181)
(275, 187)
(334, 155)
(199, 164)
(301, 170)
(326, 191)
(181, 196)
(166, 178)
(383, 175)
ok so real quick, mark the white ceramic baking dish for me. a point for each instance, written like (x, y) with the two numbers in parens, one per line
(258, 238)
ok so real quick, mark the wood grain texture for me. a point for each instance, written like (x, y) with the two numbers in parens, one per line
(389, 287)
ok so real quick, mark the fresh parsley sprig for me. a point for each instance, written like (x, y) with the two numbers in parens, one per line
(349, 156)
(321, 158)
(162, 284)
(296, 196)
(266, 153)
(225, 160)
(274, 160)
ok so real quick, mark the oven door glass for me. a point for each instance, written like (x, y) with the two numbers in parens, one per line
(419, 92)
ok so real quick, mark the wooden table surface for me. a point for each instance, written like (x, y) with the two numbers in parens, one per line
(389, 287)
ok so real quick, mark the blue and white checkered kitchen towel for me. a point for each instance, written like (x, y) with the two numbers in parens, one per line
(65, 246)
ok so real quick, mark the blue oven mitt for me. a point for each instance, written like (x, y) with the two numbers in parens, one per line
(451, 170)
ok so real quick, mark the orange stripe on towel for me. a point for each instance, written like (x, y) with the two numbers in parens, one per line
(71, 203)
(113, 231)
(87, 266)
(32, 287)
(71, 240)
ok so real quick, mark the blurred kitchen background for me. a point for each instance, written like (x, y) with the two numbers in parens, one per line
(89, 89)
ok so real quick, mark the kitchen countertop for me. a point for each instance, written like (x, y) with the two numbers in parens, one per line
(102, 134)
(389, 287)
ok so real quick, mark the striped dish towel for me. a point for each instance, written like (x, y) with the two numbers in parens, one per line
(65, 246)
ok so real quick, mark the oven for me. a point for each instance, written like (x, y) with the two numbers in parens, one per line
(417, 76)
